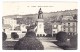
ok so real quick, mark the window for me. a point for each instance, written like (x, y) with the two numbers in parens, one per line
(54, 31)
(64, 29)
(64, 24)
(68, 23)
(38, 35)
(74, 24)
(55, 26)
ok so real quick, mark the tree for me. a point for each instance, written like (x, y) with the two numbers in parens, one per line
(14, 35)
(62, 36)
(29, 42)
(4, 36)
(73, 41)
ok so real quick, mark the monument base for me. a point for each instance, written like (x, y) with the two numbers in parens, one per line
(41, 34)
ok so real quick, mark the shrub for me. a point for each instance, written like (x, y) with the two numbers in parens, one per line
(4, 36)
(73, 41)
(14, 35)
(30, 34)
(29, 42)
(62, 36)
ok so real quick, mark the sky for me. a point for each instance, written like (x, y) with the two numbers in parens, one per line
(23, 8)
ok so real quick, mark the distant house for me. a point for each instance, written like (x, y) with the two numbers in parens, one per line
(67, 24)
(10, 22)
(62, 21)
(56, 27)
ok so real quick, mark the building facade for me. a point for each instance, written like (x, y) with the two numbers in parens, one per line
(9, 22)
(69, 25)
(66, 24)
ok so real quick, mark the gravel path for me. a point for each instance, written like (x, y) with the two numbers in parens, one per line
(47, 43)
(50, 46)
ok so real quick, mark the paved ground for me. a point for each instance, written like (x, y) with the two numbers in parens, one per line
(47, 43)
(50, 46)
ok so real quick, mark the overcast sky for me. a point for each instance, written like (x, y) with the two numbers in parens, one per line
(22, 8)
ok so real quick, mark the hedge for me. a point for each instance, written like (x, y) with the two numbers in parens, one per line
(29, 42)
(4, 36)
(73, 41)
(62, 36)
(14, 35)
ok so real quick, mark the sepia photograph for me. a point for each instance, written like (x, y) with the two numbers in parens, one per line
(39, 25)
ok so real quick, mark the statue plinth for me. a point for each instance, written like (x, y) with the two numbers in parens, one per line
(40, 20)
(40, 24)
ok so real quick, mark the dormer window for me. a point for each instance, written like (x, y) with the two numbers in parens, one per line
(55, 26)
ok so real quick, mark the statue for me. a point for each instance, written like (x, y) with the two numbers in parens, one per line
(40, 14)
(40, 24)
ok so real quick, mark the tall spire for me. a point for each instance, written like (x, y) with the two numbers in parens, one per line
(40, 14)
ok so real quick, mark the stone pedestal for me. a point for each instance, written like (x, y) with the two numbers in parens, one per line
(40, 28)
